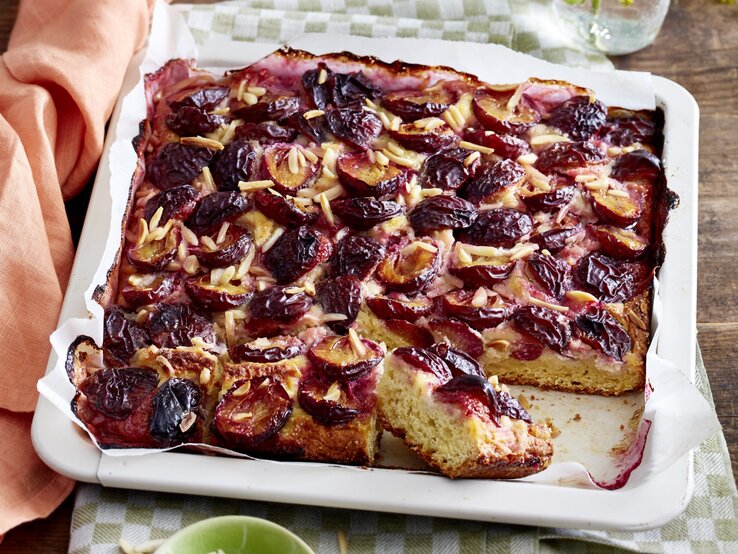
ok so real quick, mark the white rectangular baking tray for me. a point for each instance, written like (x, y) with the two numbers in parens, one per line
(64, 447)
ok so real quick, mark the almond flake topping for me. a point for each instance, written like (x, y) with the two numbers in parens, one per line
(143, 232)
(311, 156)
(471, 158)
(187, 421)
(549, 305)
(208, 243)
(527, 159)
(620, 193)
(222, 233)
(258, 91)
(356, 345)
(202, 142)
(249, 98)
(322, 76)
(242, 390)
(400, 160)
(333, 394)
(476, 147)
(207, 178)
(431, 192)
(585, 178)
(191, 265)
(580, 296)
(381, 159)
(429, 123)
(327, 318)
(242, 416)
(246, 186)
(637, 321)
(205, 376)
(188, 235)
(156, 218)
(326, 207)
(166, 365)
(272, 240)
(542, 140)
(480, 298)
(240, 91)
(292, 163)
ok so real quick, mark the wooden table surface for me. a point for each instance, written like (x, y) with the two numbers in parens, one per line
(696, 48)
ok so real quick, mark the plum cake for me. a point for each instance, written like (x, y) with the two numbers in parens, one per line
(318, 248)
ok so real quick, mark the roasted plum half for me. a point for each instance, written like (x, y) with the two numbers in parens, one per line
(411, 105)
(618, 209)
(340, 295)
(251, 412)
(328, 401)
(264, 351)
(548, 327)
(442, 212)
(458, 334)
(318, 85)
(279, 304)
(598, 328)
(363, 212)
(460, 363)
(356, 255)
(385, 307)
(118, 392)
(265, 132)
(628, 130)
(505, 145)
(620, 243)
(493, 112)
(491, 179)
(422, 359)
(351, 89)
(612, 280)
(420, 139)
(408, 334)
(345, 357)
(482, 272)
(236, 162)
(115, 405)
(176, 407)
(296, 252)
(233, 248)
(496, 403)
(155, 255)
(563, 156)
(579, 117)
(362, 177)
(552, 274)
(555, 239)
(216, 297)
(480, 311)
(501, 227)
(153, 288)
(287, 167)
(176, 203)
(410, 269)
(283, 209)
(205, 98)
(269, 107)
(550, 201)
(176, 165)
(215, 209)
(639, 165)
(448, 169)
(191, 121)
(173, 325)
(356, 127)
(122, 337)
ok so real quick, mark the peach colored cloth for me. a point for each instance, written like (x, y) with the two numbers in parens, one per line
(58, 82)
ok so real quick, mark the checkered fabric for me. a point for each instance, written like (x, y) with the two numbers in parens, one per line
(103, 516)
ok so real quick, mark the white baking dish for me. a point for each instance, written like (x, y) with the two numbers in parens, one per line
(649, 503)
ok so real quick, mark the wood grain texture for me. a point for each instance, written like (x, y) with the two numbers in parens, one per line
(697, 48)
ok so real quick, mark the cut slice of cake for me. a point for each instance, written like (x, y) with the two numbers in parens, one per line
(439, 402)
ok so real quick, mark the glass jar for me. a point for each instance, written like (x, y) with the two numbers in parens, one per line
(612, 26)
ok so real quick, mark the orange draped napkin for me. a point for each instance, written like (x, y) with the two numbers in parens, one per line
(58, 83)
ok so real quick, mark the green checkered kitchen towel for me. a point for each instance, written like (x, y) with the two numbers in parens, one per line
(103, 516)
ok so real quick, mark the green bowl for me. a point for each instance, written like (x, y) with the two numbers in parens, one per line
(234, 535)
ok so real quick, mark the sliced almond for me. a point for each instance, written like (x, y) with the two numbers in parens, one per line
(356, 345)
(203, 142)
(333, 394)
(242, 390)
